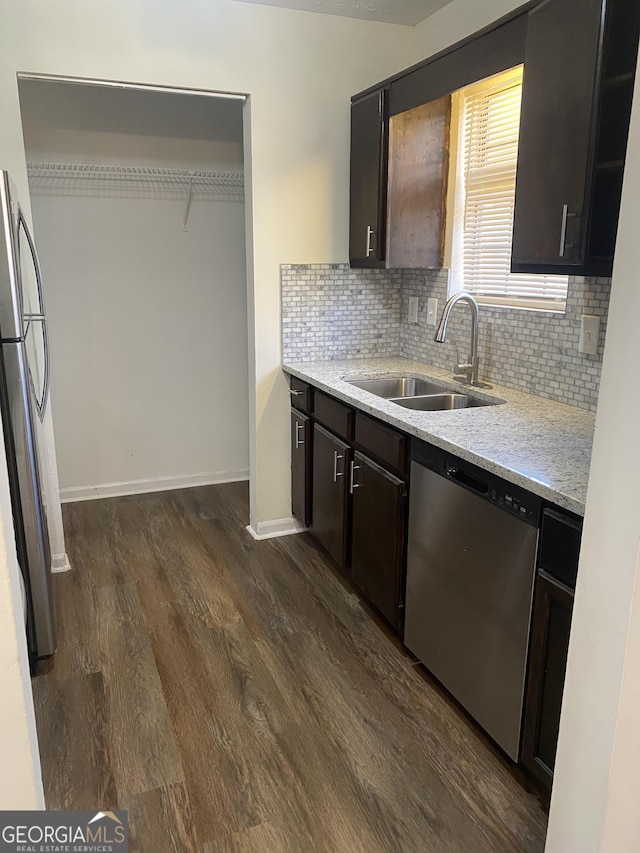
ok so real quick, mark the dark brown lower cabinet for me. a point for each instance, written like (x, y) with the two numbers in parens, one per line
(331, 461)
(377, 538)
(553, 606)
(301, 467)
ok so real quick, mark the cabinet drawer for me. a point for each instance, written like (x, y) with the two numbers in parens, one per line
(301, 395)
(382, 441)
(560, 546)
(334, 415)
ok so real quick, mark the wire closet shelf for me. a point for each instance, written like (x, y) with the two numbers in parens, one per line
(58, 175)
(135, 181)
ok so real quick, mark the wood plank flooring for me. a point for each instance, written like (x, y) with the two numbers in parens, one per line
(237, 696)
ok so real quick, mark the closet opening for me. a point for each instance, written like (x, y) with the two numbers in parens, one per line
(137, 198)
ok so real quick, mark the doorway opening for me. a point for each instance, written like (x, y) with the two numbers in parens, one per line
(137, 197)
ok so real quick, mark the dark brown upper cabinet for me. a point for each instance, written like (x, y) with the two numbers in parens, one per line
(579, 72)
(579, 60)
(417, 185)
(367, 219)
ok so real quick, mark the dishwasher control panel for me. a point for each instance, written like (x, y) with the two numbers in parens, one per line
(511, 499)
(506, 496)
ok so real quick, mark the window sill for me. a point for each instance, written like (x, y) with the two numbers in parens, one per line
(555, 311)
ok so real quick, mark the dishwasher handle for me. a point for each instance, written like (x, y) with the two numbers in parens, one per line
(459, 475)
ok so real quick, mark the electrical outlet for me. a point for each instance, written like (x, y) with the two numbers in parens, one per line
(413, 309)
(589, 335)
(432, 311)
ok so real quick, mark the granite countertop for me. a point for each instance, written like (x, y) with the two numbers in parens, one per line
(543, 446)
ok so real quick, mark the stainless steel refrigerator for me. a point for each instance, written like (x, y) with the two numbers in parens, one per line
(24, 391)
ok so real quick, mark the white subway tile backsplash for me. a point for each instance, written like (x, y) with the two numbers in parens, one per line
(330, 311)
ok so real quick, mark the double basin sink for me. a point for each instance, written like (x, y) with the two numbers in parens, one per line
(414, 393)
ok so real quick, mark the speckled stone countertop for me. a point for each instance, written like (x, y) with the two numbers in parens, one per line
(543, 446)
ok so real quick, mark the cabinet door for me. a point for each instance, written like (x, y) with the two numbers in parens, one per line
(301, 467)
(557, 129)
(368, 181)
(417, 190)
(378, 533)
(547, 666)
(331, 458)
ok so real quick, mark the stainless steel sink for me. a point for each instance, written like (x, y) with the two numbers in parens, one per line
(442, 402)
(398, 386)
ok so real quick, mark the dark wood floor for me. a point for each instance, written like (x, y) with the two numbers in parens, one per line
(235, 695)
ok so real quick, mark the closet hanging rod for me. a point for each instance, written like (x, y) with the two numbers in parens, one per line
(231, 179)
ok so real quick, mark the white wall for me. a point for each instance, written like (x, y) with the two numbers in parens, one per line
(300, 70)
(148, 323)
(148, 340)
(457, 20)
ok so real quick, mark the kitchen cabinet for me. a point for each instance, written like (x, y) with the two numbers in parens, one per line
(301, 467)
(417, 191)
(558, 556)
(369, 130)
(350, 477)
(334, 415)
(490, 51)
(579, 70)
(551, 625)
(579, 60)
(363, 476)
(301, 394)
(378, 534)
(331, 462)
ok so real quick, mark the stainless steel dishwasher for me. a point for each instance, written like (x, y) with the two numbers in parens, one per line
(470, 574)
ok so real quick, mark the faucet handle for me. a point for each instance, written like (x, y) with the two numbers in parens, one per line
(465, 370)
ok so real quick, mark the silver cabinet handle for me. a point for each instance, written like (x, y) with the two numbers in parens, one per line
(336, 457)
(296, 393)
(563, 230)
(352, 479)
(370, 233)
(299, 441)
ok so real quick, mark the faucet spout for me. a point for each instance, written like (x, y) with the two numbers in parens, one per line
(471, 368)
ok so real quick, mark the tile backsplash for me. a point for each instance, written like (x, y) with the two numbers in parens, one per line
(330, 312)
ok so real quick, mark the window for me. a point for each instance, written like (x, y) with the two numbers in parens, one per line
(485, 148)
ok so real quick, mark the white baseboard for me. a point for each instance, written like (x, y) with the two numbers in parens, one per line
(156, 484)
(277, 527)
(60, 563)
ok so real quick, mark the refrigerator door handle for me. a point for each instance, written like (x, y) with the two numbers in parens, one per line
(36, 263)
(41, 403)
(42, 408)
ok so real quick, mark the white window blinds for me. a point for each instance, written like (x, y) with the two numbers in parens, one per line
(489, 139)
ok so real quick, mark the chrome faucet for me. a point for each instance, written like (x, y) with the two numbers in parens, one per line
(470, 370)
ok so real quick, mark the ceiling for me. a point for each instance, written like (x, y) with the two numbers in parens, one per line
(408, 12)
